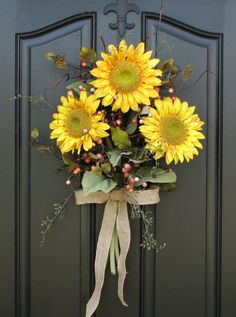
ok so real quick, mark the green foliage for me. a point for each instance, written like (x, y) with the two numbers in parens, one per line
(167, 65)
(131, 127)
(167, 187)
(35, 133)
(120, 138)
(186, 72)
(42, 148)
(69, 161)
(88, 55)
(58, 214)
(75, 86)
(155, 175)
(93, 182)
(115, 156)
(106, 168)
(148, 240)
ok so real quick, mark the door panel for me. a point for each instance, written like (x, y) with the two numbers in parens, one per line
(57, 279)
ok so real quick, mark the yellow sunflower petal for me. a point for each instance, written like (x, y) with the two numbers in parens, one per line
(173, 130)
(73, 129)
(126, 71)
(107, 100)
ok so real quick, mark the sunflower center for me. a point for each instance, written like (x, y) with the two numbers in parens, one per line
(125, 76)
(78, 123)
(172, 130)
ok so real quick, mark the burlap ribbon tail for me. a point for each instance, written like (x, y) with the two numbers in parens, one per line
(115, 216)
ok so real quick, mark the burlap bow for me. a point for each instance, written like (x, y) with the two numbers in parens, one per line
(115, 214)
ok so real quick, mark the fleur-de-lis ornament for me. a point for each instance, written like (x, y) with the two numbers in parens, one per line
(121, 8)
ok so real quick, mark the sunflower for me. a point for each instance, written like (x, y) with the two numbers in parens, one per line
(126, 78)
(77, 123)
(172, 130)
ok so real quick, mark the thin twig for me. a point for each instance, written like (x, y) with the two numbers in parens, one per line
(103, 43)
(160, 16)
(181, 88)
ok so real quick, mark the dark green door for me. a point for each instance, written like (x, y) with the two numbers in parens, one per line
(195, 275)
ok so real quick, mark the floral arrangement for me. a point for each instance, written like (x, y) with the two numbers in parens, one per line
(118, 129)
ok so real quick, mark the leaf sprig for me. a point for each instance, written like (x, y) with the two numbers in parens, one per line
(148, 240)
(58, 214)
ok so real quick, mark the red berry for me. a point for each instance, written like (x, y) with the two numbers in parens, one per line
(98, 156)
(84, 64)
(128, 186)
(131, 190)
(127, 166)
(126, 174)
(132, 181)
(76, 170)
(87, 160)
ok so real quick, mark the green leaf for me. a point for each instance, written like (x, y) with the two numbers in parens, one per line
(167, 187)
(186, 72)
(106, 168)
(166, 66)
(139, 155)
(120, 138)
(115, 156)
(76, 84)
(131, 127)
(35, 133)
(67, 159)
(155, 175)
(88, 55)
(42, 148)
(92, 183)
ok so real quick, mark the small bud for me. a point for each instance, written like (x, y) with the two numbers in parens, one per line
(70, 93)
(92, 90)
(136, 179)
(118, 122)
(76, 170)
(127, 166)
(99, 141)
(134, 121)
(87, 160)
(157, 89)
(115, 97)
(132, 181)
(98, 156)
(128, 186)
(141, 121)
(81, 87)
(84, 64)
(68, 182)
(171, 90)
(126, 175)
(144, 184)
(85, 130)
(131, 190)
